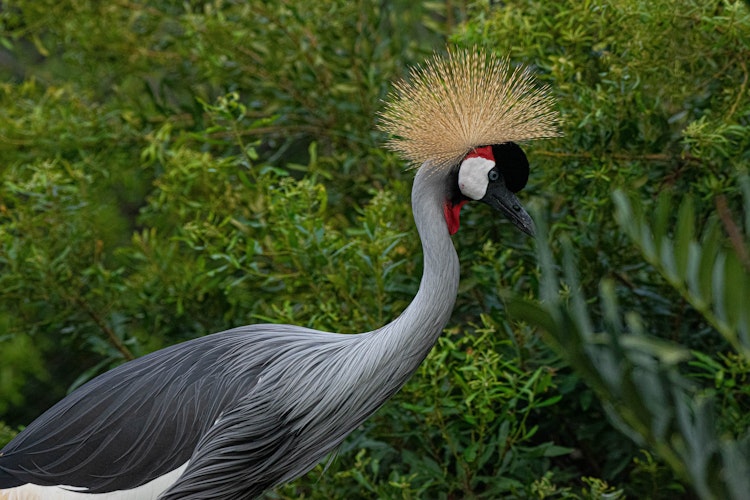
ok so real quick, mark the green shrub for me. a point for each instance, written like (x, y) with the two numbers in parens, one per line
(175, 169)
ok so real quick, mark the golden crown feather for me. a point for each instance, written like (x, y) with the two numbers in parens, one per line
(462, 100)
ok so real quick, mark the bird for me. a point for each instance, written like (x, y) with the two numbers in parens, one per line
(233, 414)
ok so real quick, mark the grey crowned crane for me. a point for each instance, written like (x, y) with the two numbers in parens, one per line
(233, 414)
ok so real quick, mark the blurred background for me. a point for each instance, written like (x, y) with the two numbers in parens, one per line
(174, 168)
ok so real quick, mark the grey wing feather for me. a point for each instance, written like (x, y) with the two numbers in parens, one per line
(302, 407)
(263, 440)
(137, 421)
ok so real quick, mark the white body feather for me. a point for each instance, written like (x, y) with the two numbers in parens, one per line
(148, 491)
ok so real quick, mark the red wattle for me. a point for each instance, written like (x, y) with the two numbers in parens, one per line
(453, 214)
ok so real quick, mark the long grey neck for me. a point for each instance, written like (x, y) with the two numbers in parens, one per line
(361, 372)
(424, 319)
(408, 339)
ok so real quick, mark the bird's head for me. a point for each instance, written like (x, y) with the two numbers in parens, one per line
(462, 115)
(492, 175)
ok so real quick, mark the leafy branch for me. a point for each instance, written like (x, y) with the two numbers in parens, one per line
(635, 374)
(713, 278)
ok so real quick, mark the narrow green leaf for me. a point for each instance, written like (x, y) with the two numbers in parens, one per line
(549, 402)
(470, 452)
(684, 236)
(717, 283)
(548, 287)
(668, 261)
(663, 214)
(693, 274)
(710, 244)
(520, 309)
(745, 186)
(644, 237)
(736, 471)
(667, 352)
(743, 327)
(735, 301)
(609, 305)
(623, 210)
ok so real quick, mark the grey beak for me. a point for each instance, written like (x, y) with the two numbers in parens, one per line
(501, 198)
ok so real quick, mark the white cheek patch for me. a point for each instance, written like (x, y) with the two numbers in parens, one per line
(472, 177)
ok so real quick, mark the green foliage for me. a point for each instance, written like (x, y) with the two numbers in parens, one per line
(178, 168)
(637, 375)
(479, 410)
(653, 97)
(655, 104)
(712, 279)
(6, 433)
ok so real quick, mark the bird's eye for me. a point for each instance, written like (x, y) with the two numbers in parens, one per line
(493, 175)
